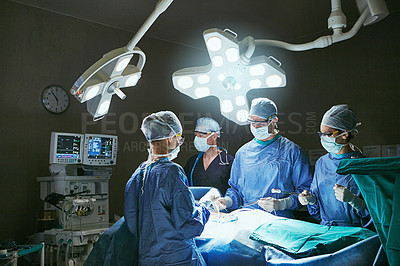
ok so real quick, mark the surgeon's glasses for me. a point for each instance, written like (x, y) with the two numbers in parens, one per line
(258, 123)
(181, 138)
(328, 134)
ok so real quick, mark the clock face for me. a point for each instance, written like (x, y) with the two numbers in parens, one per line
(55, 99)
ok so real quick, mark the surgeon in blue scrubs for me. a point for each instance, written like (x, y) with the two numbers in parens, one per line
(269, 161)
(335, 199)
(211, 167)
(159, 209)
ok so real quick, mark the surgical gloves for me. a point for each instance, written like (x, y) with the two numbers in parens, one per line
(344, 195)
(225, 202)
(269, 204)
(306, 197)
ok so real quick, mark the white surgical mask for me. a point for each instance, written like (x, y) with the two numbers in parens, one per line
(260, 132)
(173, 154)
(330, 144)
(201, 144)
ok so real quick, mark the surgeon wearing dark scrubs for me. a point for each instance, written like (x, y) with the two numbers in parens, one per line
(212, 165)
(159, 209)
(335, 199)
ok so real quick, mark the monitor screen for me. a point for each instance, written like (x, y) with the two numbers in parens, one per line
(66, 148)
(100, 149)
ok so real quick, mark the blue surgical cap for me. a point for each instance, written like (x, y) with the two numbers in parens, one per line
(263, 107)
(161, 125)
(340, 117)
(207, 124)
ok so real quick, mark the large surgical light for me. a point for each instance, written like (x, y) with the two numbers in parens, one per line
(230, 75)
(233, 71)
(112, 72)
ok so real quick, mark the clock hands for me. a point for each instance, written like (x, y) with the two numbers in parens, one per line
(54, 96)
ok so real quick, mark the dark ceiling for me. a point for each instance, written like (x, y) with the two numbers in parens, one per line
(184, 21)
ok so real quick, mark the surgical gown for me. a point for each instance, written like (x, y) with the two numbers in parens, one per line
(261, 166)
(328, 209)
(160, 210)
(216, 175)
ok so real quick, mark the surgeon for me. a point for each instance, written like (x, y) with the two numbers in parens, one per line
(158, 207)
(335, 199)
(212, 165)
(268, 163)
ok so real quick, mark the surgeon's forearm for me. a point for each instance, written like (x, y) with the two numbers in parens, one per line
(357, 203)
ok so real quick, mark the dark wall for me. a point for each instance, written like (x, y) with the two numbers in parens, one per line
(40, 48)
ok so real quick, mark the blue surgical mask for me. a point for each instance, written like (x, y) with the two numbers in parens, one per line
(201, 144)
(330, 144)
(260, 132)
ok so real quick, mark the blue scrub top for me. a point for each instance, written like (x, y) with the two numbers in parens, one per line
(261, 166)
(328, 209)
(216, 175)
(161, 212)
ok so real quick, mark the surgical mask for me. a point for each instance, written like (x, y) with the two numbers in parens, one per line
(201, 144)
(173, 154)
(260, 132)
(330, 144)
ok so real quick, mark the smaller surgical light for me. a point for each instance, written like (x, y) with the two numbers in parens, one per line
(185, 82)
(201, 92)
(214, 44)
(232, 54)
(103, 108)
(91, 92)
(255, 83)
(203, 79)
(240, 100)
(132, 80)
(257, 70)
(122, 64)
(226, 106)
(273, 81)
(242, 115)
(217, 60)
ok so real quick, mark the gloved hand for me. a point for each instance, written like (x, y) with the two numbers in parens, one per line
(224, 202)
(210, 197)
(306, 197)
(270, 204)
(344, 195)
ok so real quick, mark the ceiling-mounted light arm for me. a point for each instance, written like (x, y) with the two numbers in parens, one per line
(371, 11)
(112, 72)
(161, 6)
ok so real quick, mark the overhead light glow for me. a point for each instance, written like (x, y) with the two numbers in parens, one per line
(91, 92)
(273, 81)
(255, 83)
(257, 70)
(201, 92)
(232, 54)
(232, 73)
(132, 80)
(226, 106)
(242, 115)
(218, 60)
(203, 79)
(214, 44)
(240, 100)
(185, 82)
(122, 64)
(103, 108)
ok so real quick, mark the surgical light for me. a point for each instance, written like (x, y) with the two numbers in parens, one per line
(228, 75)
(233, 71)
(113, 71)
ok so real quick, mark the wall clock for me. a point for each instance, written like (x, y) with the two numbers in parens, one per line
(55, 99)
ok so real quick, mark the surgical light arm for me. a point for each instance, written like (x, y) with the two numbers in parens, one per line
(371, 12)
(107, 76)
